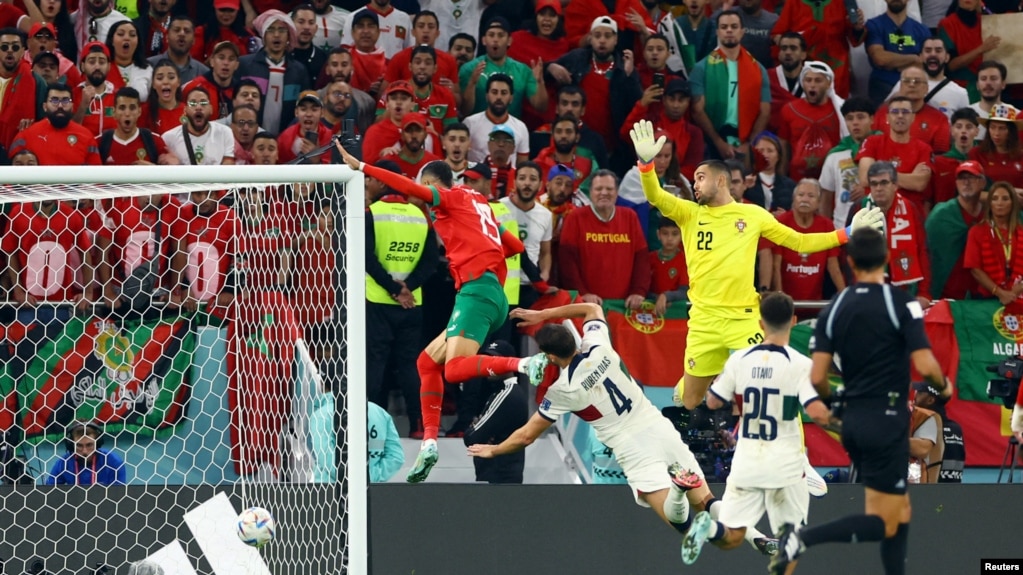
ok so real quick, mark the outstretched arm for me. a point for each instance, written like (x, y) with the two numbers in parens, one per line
(647, 147)
(587, 311)
(517, 441)
(396, 182)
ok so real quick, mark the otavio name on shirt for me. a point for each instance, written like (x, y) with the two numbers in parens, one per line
(762, 372)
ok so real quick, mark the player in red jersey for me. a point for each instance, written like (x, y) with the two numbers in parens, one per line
(205, 263)
(476, 248)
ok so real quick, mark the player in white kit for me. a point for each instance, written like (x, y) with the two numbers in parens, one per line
(772, 380)
(595, 384)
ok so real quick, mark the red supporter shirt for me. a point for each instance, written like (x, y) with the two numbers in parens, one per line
(797, 117)
(132, 232)
(930, 126)
(409, 166)
(165, 119)
(827, 36)
(99, 117)
(210, 245)
(262, 245)
(126, 153)
(906, 158)
(398, 67)
(380, 135)
(71, 146)
(608, 259)
(802, 275)
(961, 283)
(313, 295)
(598, 105)
(999, 167)
(49, 249)
(438, 105)
(668, 275)
(943, 180)
(289, 143)
(202, 50)
(367, 68)
(10, 16)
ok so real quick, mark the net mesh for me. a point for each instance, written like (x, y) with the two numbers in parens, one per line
(167, 345)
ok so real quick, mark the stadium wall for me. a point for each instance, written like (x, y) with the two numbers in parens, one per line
(487, 530)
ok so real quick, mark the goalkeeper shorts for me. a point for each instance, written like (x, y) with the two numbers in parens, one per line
(712, 339)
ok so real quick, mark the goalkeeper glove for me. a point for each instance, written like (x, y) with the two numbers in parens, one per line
(869, 218)
(642, 134)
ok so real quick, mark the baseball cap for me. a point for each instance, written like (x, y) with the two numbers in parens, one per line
(478, 171)
(226, 45)
(44, 55)
(502, 129)
(499, 22)
(399, 86)
(226, 4)
(40, 27)
(413, 119)
(924, 386)
(970, 167)
(365, 14)
(560, 170)
(677, 86)
(310, 96)
(500, 348)
(552, 4)
(604, 21)
(94, 46)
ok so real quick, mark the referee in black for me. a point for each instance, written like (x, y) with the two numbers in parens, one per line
(871, 331)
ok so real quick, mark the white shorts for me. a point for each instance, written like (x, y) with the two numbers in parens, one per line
(745, 506)
(645, 457)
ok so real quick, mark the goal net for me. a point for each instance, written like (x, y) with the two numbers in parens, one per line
(174, 348)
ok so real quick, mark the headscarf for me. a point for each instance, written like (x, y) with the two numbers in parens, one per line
(264, 20)
(836, 100)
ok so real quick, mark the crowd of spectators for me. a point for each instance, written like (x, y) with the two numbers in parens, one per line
(818, 110)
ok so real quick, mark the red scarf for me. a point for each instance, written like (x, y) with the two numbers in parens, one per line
(993, 259)
(902, 228)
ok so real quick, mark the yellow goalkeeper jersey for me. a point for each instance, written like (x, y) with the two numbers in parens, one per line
(720, 245)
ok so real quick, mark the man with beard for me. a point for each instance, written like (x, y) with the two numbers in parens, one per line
(330, 25)
(425, 30)
(210, 235)
(535, 226)
(914, 156)
(94, 97)
(965, 125)
(611, 85)
(219, 80)
(155, 26)
(527, 80)
(47, 65)
(455, 143)
(731, 94)
(456, 18)
(680, 55)
(894, 41)
(947, 227)
(500, 93)
(564, 150)
(991, 82)
(784, 78)
(801, 275)
(433, 99)
(280, 77)
(394, 26)
(930, 125)
(571, 101)
(18, 108)
(757, 23)
(311, 56)
(942, 92)
(813, 124)
(244, 126)
(307, 133)
(127, 144)
(369, 60)
(828, 33)
(413, 156)
(93, 20)
(338, 105)
(500, 160)
(462, 48)
(180, 39)
(212, 143)
(56, 140)
(339, 65)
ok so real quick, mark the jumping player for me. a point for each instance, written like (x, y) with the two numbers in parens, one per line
(476, 249)
(595, 384)
(773, 380)
(720, 238)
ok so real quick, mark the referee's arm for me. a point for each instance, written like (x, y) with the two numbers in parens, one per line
(927, 366)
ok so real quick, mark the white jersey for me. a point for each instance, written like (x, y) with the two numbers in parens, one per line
(597, 388)
(772, 381)
(535, 227)
(839, 175)
(330, 28)
(947, 100)
(480, 127)
(455, 16)
(210, 148)
(395, 30)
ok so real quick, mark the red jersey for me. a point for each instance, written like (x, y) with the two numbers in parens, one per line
(202, 50)
(438, 105)
(802, 275)
(466, 225)
(71, 146)
(582, 166)
(398, 67)
(263, 242)
(289, 143)
(49, 248)
(132, 232)
(797, 117)
(943, 179)
(930, 126)
(609, 259)
(906, 158)
(410, 166)
(10, 16)
(210, 245)
(668, 274)
(19, 98)
(598, 105)
(826, 29)
(165, 119)
(380, 135)
(367, 67)
(99, 116)
(313, 295)
(127, 152)
(999, 167)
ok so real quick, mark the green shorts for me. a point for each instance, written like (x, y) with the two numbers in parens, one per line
(481, 308)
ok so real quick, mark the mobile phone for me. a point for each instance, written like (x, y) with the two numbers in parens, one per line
(311, 136)
(659, 80)
(852, 11)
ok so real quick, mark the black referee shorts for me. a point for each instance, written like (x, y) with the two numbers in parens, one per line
(878, 445)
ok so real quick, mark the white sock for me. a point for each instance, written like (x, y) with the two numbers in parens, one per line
(752, 533)
(676, 506)
(522, 365)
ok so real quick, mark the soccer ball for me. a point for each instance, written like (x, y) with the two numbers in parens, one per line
(256, 527)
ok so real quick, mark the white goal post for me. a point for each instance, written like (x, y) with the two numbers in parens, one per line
(69, 183)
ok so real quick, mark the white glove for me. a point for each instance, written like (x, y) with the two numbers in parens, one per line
(642, 133)
(870, 218)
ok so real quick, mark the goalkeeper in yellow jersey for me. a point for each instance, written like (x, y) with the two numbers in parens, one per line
(720, 239)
